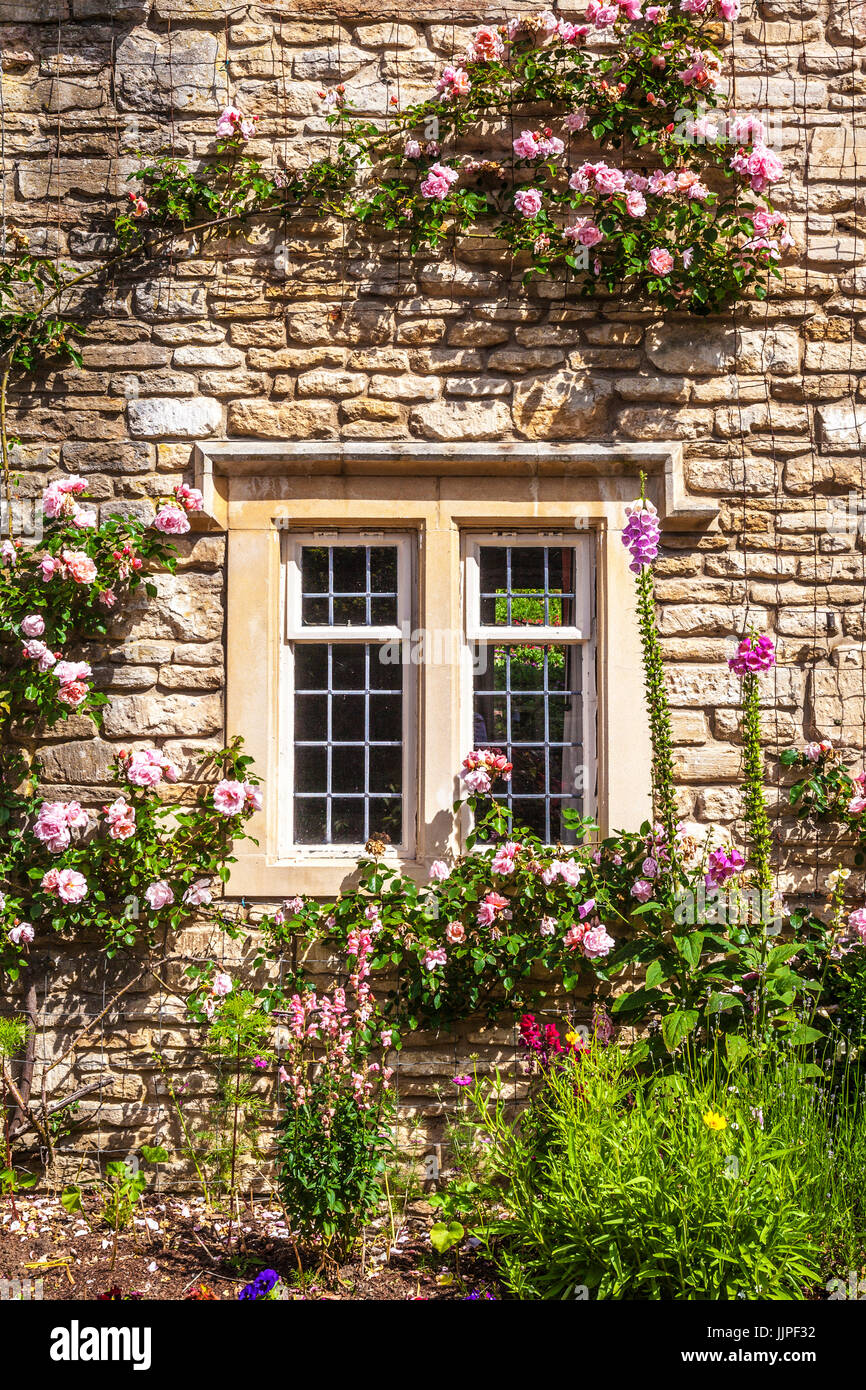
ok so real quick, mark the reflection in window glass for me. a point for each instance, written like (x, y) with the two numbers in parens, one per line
(526, 585)
(527, 702)
(348, 585)
(348, 743)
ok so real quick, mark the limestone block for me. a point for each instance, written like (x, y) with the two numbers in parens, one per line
(177, 70)
(461, 420)
(161, 416)
(564, 405)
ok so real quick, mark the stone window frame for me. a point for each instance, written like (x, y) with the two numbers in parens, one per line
(256, 490)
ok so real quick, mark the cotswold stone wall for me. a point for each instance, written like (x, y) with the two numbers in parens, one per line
(304, 332)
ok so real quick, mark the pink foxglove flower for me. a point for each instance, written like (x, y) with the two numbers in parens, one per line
(641, 534)
(753, 654)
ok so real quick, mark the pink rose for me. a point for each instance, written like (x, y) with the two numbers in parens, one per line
(434, 958)
(171, 520)
(199, 894)
(253, 795)
(49, 567)
(72, 694)
(597, 943)
(22, 934)
(635, 204)
(80, 566)
(190, 498)
(37, 651)
(142, 770)
(32, 625)
(547, 926)
(71, 886)
(455, 932)
(577, 120)
(528, 201)
(439, 870)
(574, 936)
(438, 181)
(525, 145)
(229, 797)
(412, 149)
(642, 890)
(486, 45)
(661, 261)
(121, 819)
(222, 984)
(159, 894)
(67, 671)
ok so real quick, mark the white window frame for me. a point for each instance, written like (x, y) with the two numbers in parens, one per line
(295, 632)
(581, 633)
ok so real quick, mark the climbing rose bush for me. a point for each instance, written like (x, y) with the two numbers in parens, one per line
(677, 210)
(58, 594)
(138, 865)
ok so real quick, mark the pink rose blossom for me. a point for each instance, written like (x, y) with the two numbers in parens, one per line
(199, 893)
(574, 936)
(72, 694)
(66, 671)
(229, 797)
(222, 984)
(22, 934)
(455, 932)
(33, 625)
(438, 182)
(547, 925)
(635, 204)
(171, 520)
(49, 567)
(439, 870)
(412, 149)
(642, 890)
(71, 886)
(492, 905)
(159, 894)
(577, 120)
(584, 231)
(597, 943)
(121, 819)
(190, 498)
(661, 262)
(37, 651)
(486, 45)
(435, 957)
(528, 201)
(453, 83)
(254, 798)
(80, 566)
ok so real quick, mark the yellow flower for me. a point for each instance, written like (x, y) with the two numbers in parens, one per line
(713, 1120)
(572, 1038)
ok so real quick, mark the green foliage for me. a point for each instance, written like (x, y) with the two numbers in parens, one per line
(633, 1193)
(125, 1185)
(331, 1157)
(238, 1034)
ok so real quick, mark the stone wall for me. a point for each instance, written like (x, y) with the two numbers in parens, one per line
(304, 332)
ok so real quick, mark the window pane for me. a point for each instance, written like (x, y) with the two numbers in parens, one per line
(526, 585)
(528, 703)
(348, 743)
(348, 585)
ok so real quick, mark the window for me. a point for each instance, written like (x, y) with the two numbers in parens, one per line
(348, 691)
(530, 606)
(511, 621)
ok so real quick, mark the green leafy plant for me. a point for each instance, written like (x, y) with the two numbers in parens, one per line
(666, 1187)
